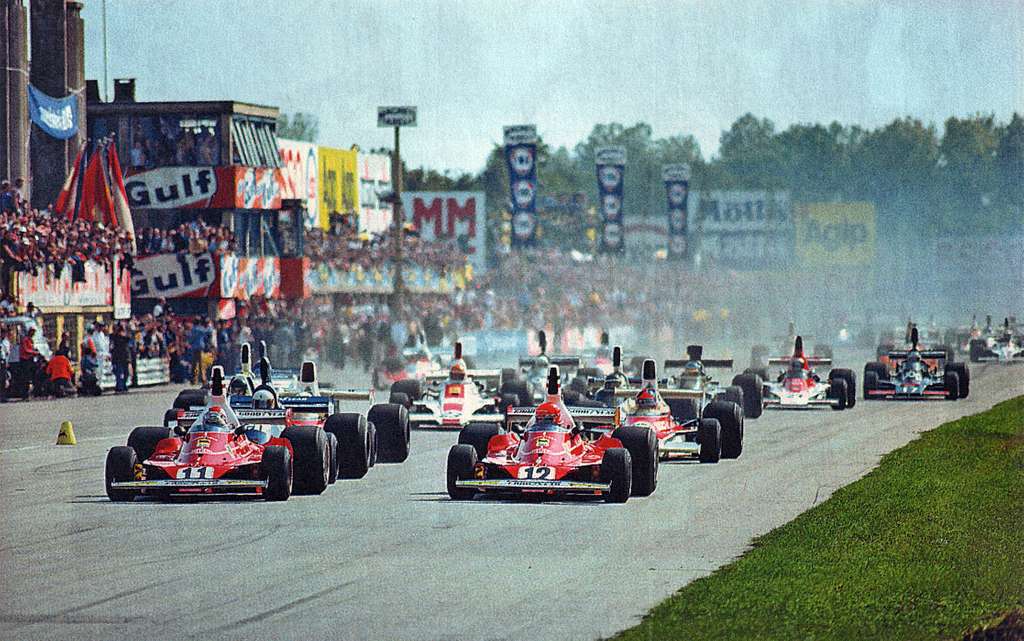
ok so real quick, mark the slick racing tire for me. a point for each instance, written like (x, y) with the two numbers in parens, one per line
(578, 384)
(410, 387)
(733, 394)
(730, 421)
(683, 409)
(617, 469)
(753, 394)
(571, 397)
(642, 445)
(391, 423)
(507, 401)
(478, 435)
(332, 450)
(144, 439)
(371, 438)
(851, 384)
(709, 435)
(950, 354)
(976, 349)
(951, 381)
(878, 368)
(312, 464)
(398, 398)
(870, 384)
(520, 389)
(189, 398)
(760, 372)
(120, 468)
(964, 375)
(353, 436)
(171, 418)
(461, 463)
(276, 468)
(837, 392)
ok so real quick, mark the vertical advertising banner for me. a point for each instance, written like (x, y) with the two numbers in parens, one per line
(338, 184)
(611, 172)
(301, 170)
(677, 191)
(521, 155)
(374, 180)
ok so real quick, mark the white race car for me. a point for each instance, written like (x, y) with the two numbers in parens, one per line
(799, 387)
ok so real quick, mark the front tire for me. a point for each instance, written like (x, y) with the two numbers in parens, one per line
(870, 384)
(311, 466)
(753, 394)
(392, 424)
(964, 376)
(709, 435)
(277, 469)
(120, 468)
(730, 421)
(642, 445)
(617, 470)
(461, 465)
(952, 384)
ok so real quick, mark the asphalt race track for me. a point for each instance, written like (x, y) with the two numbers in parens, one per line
(389, 556)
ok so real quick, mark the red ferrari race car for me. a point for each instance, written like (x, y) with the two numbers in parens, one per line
(549, 450)
(717, 433)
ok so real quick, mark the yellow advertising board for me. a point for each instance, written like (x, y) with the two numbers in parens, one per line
(835, 233)
(338, 183)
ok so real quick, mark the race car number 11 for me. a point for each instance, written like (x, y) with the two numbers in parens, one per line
(195, 473)
(537, 473)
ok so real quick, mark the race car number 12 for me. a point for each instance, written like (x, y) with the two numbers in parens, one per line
(195, 473)
(536, 473)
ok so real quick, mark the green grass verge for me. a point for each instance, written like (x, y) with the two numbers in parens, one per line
(926, 546)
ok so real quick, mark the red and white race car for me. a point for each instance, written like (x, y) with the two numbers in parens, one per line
(548, 450)
(798, 386)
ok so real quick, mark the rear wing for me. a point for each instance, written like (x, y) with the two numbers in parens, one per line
(679, 363)
(348, 394)
(571, 362)
(492, 376)
(627, 392)
(937, 354)
(811, 360)
(244, 415)
(586, 415)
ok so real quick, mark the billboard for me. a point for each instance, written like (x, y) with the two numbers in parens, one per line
(339, 189)
(457, 215)
(186, 187)
(46, 289)
(300, 172)
(677, 193)
(374, 181)
(743, 229)
(174, 276)
(243, 277)
(611, 173)
(521, 158)
(835, 233)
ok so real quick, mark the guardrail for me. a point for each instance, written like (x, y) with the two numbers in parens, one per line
(147, 371)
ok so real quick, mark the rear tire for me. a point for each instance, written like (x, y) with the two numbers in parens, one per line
(120, 468)
(311, 466)
(397, 398)
(478, 435)
(952, 383)
(461, 465)
(617, 469)
(518, 388)
(753, 394)
(642, 445)
(730, 421)
(709, 435)
(332, 449)
(144, 439)
(870, 384)
(410, 387)
(977, 349)
(507, 401)
(277, 469)
(733, 394)
(188, 398)
(837, 392)
(683, 409)
(851, 384)
(392, 425)
(171, 419)
(352, 433)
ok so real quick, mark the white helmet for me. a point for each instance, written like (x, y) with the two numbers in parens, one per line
(264, 399)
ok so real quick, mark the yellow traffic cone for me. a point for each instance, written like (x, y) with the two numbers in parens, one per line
(66, 435)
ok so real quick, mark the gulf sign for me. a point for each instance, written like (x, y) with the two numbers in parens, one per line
(232, 187)
(440, 215)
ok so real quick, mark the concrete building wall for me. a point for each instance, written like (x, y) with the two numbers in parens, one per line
(14, 123)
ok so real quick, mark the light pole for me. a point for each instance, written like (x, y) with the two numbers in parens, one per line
(397, 117)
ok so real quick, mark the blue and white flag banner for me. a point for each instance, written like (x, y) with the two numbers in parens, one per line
(58, 117)
(611, 174)
(677, 191)
(521, 156)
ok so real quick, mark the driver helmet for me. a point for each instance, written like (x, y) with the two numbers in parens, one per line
(611, 381)
(547, 413)
(913, 358)
(796, 364)
(647, 399)
(264, 399)
(692, 368)
(215, 419)
(458, 370)
(238, 387)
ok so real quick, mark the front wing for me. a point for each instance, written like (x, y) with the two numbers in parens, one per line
(534, 485)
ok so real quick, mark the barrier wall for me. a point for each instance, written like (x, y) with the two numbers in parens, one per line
(148, 371)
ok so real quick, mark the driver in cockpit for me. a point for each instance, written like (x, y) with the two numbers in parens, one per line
(264, 399)
(914, 364)
(457, 372)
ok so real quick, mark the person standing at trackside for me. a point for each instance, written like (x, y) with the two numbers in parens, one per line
(120, 358)
(101, 343)
(5, 358)
(29, 356)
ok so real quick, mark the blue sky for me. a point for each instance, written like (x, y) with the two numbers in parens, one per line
(471, 67)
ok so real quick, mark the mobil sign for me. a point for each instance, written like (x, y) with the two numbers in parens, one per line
(455, 215)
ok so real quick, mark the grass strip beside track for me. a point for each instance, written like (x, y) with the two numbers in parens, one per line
(927, 546)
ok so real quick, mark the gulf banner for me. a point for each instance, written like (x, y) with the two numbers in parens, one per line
(677, 193)
(300, 174)
(338, 183)
(451, 215)
(374, 181)
(521, 157)
(244, 277)
(835, 233)
(233, 187)
(174, 276)
(611, 173)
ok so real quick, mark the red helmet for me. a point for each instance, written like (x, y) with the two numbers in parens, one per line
(647, 398)
(547, 413)
(458, 370)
